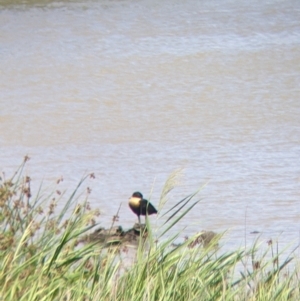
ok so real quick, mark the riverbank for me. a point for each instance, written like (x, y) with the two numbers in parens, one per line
(44, 256)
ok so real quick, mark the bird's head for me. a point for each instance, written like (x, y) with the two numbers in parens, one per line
(137, 195)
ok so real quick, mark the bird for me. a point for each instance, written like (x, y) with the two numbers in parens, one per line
(140, 206)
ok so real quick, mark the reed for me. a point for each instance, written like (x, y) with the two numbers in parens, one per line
(42, 258)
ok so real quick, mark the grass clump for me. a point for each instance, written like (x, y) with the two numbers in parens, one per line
(39, 253)
(41, 257)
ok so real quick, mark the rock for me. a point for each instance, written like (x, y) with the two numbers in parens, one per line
(205, 238)
(116, 235)
(208, 237)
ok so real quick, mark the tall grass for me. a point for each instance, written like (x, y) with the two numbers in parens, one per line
(42, 258)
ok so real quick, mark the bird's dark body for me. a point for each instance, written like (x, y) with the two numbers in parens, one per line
(145, 207)
(141, 206)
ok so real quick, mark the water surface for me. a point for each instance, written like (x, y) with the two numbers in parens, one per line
(132, 90)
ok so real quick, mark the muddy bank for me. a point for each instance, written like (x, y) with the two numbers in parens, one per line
(117, 235)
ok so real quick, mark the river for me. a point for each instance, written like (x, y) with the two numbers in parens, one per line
(133, 90)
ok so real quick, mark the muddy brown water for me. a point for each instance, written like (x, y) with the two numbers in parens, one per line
(132, 90)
